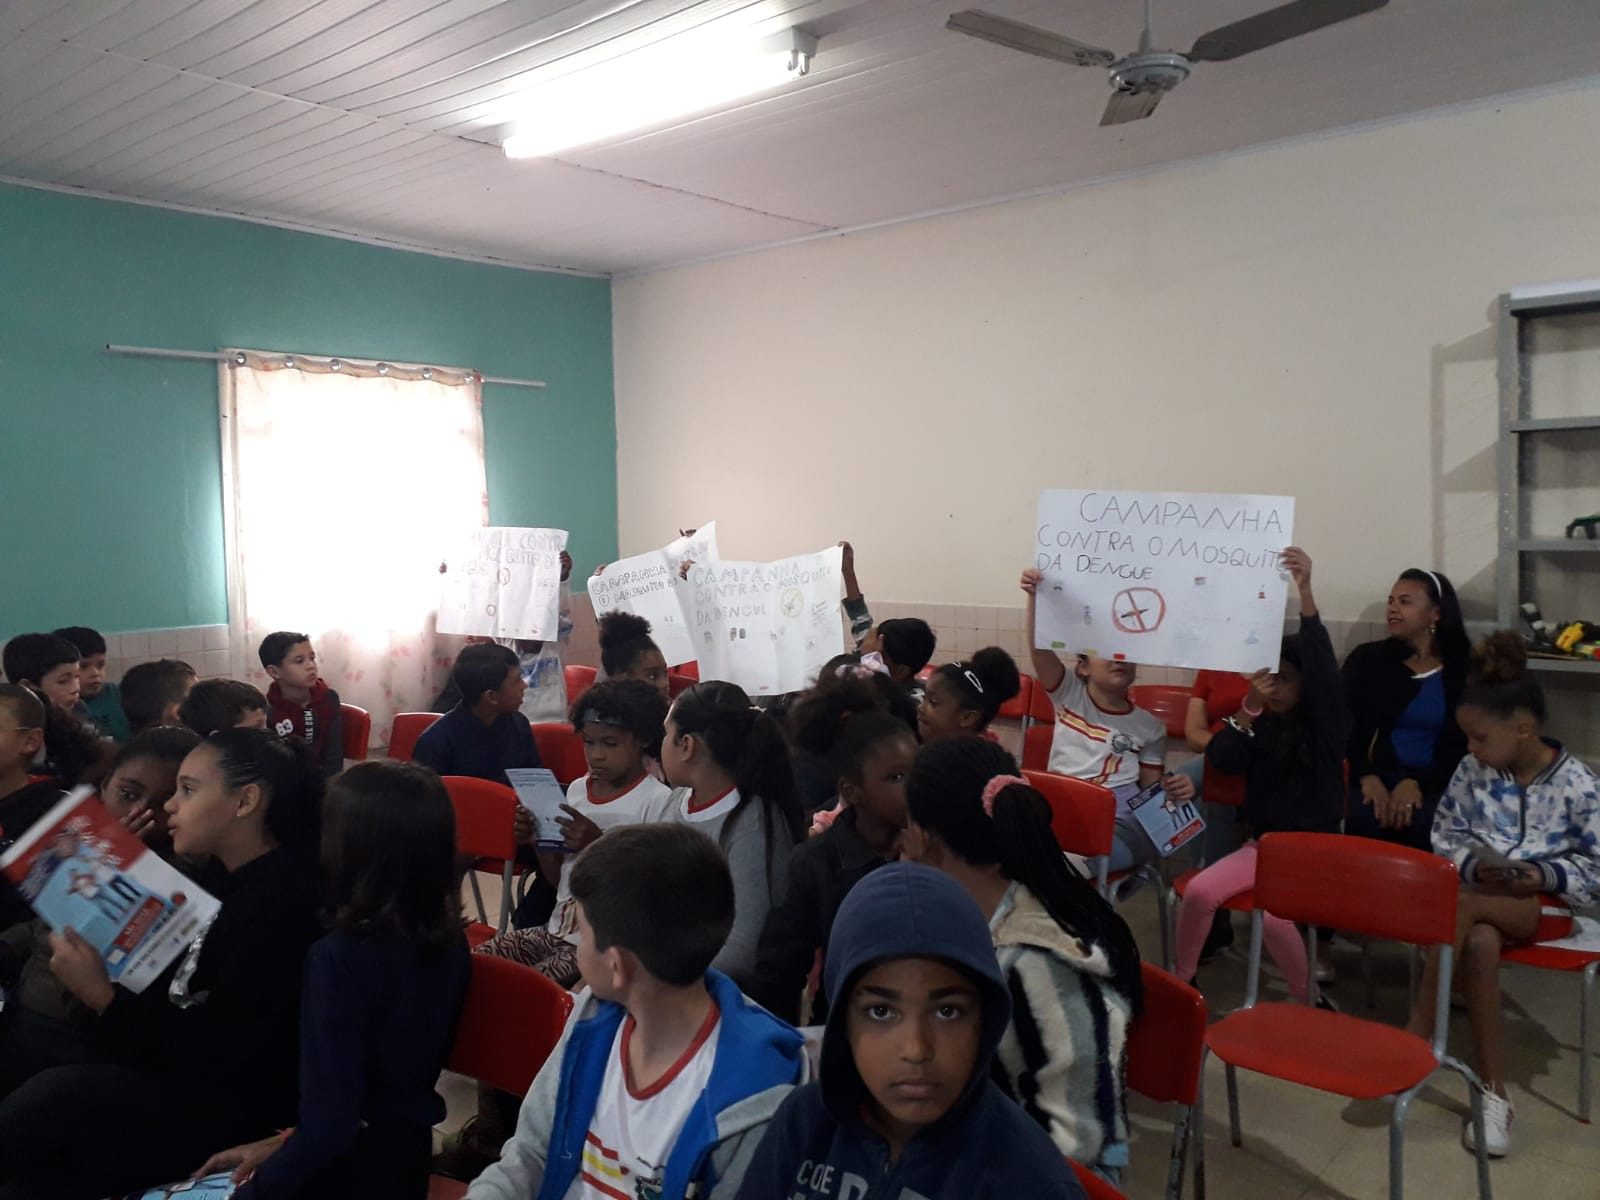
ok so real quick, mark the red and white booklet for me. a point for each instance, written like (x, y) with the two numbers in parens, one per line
(79, 868)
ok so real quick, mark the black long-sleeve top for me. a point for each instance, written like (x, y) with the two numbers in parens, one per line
(1293, 762)
(1378, 688)
(377, 1020)
(240, 1045)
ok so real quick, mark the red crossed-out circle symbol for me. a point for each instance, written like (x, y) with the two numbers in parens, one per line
(1138, 610)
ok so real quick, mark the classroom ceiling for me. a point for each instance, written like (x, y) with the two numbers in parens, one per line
(381, 118)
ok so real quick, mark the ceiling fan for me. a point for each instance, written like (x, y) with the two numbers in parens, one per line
(1140, 79)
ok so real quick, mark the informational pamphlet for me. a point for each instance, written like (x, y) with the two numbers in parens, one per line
(540, 793)
(1171, 824)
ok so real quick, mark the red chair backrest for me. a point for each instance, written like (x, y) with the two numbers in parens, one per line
(1167, 1039)
(1359, 884)
(1221, 788)
(678, 684)
(1017, 707)
(1093, 1186)
(1084, 814)
(579, 680)
(561, 749)
(485, 813)
(1040, 706)
(1036, 747)
(689, 670)
(356, 723)
(1171, 704)
(405, 731)
(511, 1021)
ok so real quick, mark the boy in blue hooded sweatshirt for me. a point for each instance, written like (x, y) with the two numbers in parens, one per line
(666, 1076)
(905, 1108)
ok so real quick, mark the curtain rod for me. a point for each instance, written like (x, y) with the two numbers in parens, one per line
(215, 356)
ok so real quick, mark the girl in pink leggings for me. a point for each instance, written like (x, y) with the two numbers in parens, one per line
(1288, 741)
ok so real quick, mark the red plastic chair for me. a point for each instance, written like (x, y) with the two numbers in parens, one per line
(1171, 704)
(1036, 741)
(678, 684)
(1165, 1048)
(561, 750)
(1084, 819)
(1093, 1186)
(485, 816)
(1556, 958)
(511, 1021)
(1016, 708)
(579, 680)
(405, 731)
(356, 725)
(1371, 887)
(1040, 707)
(690, 670)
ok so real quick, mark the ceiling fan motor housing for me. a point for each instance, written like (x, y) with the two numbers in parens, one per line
(1153, 71)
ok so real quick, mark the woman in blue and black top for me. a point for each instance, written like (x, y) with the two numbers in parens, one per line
(1402, 694)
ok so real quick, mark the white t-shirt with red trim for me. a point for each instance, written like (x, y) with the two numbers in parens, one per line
(646, 801)
(1103, 747)
(633, 1130)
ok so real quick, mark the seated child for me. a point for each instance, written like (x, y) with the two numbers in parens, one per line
(627, 651)
(666, 1075)
(905, 644)
(485, 732)
(152, 693)
(209, 1049)
(905, 1105)
(101, 699)
(214, 704)
(620, 722)
(299, 702)
(1101, 736)
(23, 800)
(43, 1025)
(382, 994)
(962, 698)
(730, 764)
(868, 752)
(49, 665)
(1068, 959)
(1288, 741)
(1521, 817)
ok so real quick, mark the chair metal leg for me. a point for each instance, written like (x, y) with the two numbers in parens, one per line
(1585, 1051)
(1235, 1133)
(1180, 1151)
(1198, 1124)
(477, 895)
(1479, 1143)
(505, 898)
(1397, 1144)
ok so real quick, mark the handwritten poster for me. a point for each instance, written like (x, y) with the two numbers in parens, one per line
(648, 585)
(1165, 578)
(768, 627)
(504, 582)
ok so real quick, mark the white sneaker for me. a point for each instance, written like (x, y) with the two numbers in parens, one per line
(1497, 1117)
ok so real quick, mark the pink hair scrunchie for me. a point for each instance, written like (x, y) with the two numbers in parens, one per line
(994, 787)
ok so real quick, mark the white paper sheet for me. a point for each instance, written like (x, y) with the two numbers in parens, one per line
(504, 581)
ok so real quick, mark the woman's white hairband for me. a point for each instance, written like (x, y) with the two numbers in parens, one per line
(1438, 588)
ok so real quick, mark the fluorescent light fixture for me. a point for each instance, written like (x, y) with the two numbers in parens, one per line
(672, 78)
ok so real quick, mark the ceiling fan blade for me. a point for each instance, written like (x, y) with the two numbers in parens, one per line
(1130, 106)
(1276, 25)
(1014, 35)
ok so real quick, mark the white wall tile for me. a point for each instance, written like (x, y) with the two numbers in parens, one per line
(212, 664)
(1008, 619)
(133, 645)
(215, 637)
(163, 642)
(191, 640)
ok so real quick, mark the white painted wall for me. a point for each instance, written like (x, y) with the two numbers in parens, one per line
(1313, 319)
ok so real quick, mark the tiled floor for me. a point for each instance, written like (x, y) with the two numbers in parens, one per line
(1300, 1143)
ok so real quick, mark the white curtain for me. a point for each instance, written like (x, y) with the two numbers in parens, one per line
(345, 486)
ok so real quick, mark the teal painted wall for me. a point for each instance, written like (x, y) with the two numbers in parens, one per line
(110, 467)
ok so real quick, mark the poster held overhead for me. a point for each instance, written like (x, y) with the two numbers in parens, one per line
(1164, 578)
(504, 581)
(768, 627)
(648, 586)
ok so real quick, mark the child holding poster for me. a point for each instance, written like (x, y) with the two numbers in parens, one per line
(1103, 737)
(627, 651)
(1288, 741)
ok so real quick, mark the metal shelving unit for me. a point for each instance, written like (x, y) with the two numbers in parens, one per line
(1517, 314)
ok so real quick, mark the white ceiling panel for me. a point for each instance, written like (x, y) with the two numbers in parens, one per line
(371, 117)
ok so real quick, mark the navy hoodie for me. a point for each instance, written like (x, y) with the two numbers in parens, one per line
(985, 1148)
